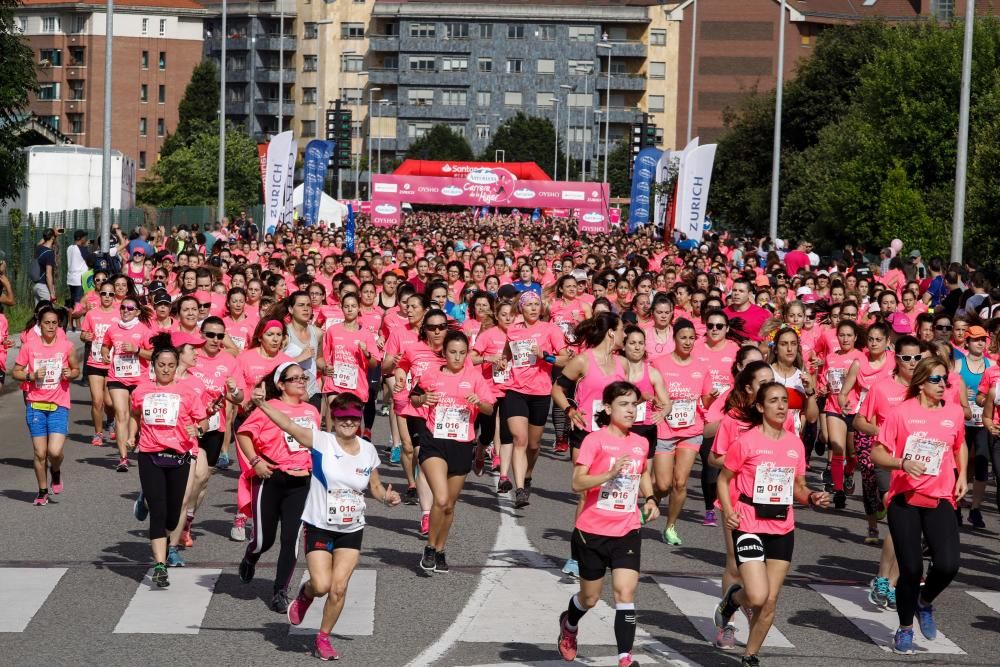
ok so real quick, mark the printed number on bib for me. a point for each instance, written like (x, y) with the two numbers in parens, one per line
(928, 451)
(621, 493)
(52, 369)
(127, 365)
(345, 375)
(345, 507)
(773, 485)
(977, 413)
(161, 409)
(682, 414)
(304, 422)
(95, 347)
(835, 378)
(501, 376)
(215, 421)
(641, 410)
(452, 423)
(521, 352)
(239, 341)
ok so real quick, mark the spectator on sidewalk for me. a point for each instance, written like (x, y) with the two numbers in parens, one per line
(6, 291)
(45, 257)
(76, 265)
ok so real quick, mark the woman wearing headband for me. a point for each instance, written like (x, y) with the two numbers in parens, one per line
(281, 469)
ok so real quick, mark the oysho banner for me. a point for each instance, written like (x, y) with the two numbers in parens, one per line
(386, 213)
(277, 176)
(317, 156)
(593, 221)
(643, 176)
(692, 192)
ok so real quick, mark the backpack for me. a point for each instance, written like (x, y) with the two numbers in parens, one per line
(35, 273)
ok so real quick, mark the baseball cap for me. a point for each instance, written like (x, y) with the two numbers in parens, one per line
(976, 331)
(138, 250)
(902, 324)
(157, 286)
(161, 297)
(179, 338)
(914, 254)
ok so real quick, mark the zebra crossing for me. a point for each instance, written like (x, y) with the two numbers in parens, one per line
(539, 594)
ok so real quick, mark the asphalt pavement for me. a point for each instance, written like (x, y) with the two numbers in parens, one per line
(73, 585)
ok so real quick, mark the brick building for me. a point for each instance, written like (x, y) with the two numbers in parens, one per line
(157, 44)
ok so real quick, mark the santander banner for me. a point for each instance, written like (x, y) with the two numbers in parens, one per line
(495, 186)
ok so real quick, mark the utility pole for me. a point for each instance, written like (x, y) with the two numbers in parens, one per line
(776, 149)
(221, 213)
(106, 147)
(961, 164)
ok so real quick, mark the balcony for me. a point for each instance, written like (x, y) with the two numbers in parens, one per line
(383, 76)
(434, 112)
(634, 82)
(624, 50)
(420, 77)
(270, 107)
(272, 74)
(273, 42)
(434, 45)
(240, 75)
(621, 114)
(383, 43)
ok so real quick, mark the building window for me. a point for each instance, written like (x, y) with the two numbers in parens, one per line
(657, 70)
(546, 66)
(484, 98)
(579, 66)
(454, 98)
(482, 131)
(581, 33)
(420, 97)
(143, 127)
(310, 30)
(580, 99)
(50, 57)
(352, 63)
(657, 37)
(79, 24)
(422, 63)
(486, 31)
(161, 127)
(21, 24)
(356, 127)
(422, 30)
(309, 63)
(943, 10)
(308, 128)
(485, 65)
(352, 30)
(163, 60)
(161, 94)
(163, 27)
(455, 64)
(351, 95)
(546, 33)
(50, 24)
(512, 98)
(390, 62)
(515, 66)
(308, 96)
(456, 30)
(75, 123)
(77, 56)
(417, 130)
(76, 89)
(51, 121)
(515, 31)
(143, 92)
(145, 27)
(656, 103)
(543, 100)
(457, 129)
(142, 159)
(144, 60)
(48, 91)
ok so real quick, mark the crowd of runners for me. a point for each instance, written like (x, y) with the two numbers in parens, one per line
(469, 335)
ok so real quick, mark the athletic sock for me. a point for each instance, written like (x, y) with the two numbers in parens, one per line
(837, 472)
(624, 627)
(42, 492)
(850, 466)
(56, 475)
(574, 612)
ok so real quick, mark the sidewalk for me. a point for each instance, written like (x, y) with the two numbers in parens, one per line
(11, 384)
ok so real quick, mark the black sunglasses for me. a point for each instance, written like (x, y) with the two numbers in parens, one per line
(435, 327)
(716, 326)
(213, 335)
(943, 327)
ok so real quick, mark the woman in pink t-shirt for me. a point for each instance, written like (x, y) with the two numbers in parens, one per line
(121, 348)
(349, 350)
(46, 363)
(240, 324)
(764, 475)
(840, 413)
(96, 323)
(660, 332)
(451, 397)
(488, 353)
(612, 475)
(923, 443)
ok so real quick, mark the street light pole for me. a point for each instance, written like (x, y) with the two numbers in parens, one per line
(568, 88)
(961, 164)
(370, 127)
(281, 67)
(607, 109)
(221, 205)
(776, 150)
(555, 150)
(694, 39)
(586, 130)
(381, 103)
(106, 147)
(598, 115)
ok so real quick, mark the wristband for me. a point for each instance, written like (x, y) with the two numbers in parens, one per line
(254, 461)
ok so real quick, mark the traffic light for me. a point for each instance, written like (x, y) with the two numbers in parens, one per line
(338, 129)
(643, 135)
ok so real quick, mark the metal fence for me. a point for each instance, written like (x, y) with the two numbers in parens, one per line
(20, 233)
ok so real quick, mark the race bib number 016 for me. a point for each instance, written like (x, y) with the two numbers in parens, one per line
(345, 507)
(924, 450)
(452, 423)
(773, 485)
(161, 409)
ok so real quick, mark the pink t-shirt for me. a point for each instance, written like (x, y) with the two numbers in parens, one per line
(753, 319)
(531, 374)
(417, 359)
(252, 366)
(612, 509)
(213, 373)
(453, 417)
(35, 355)
(685, 384)
(240, 332)
(590, 387)
(97, 322)
(342, 350)
(934, 437)
(491, 343)
(749, 457)
(990, 380)
(658, 346)
(127, 367)
(883, 398)
(833, 376)
(718, 362)
(164, 412)
(276, 446)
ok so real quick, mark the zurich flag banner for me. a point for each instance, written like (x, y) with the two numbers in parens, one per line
(317, 157)
(349, 230)
(643, 176)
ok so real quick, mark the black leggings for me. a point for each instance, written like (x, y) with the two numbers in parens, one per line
(977, 438)
(995, 452)
(163, 489)
(374, 389)
(709, 473)
(939, 528)
(280, 497)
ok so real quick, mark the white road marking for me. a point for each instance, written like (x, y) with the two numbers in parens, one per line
(25, 590)
(989, 598)
(604, 661)
(176, 610)
(852, 603)
(358, 615)
(697, 599)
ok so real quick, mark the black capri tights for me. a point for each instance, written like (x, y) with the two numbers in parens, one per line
(280, 497)
(709, 474)
(163, 489)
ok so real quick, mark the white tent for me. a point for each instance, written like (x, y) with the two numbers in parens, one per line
(330, 210)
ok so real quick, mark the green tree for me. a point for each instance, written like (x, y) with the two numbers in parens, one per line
(189, 175)
(198, 109)
(525, 139)
(440, 143)
(618, 169)
(17, 82)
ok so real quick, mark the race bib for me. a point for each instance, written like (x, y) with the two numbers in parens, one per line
(127, 365)
(501, 376)
(409, 381)
(720, 387)
(925, 450)
(621, 493)
(452, 423)
(345, 507)
(835, 379)
(161, 409)
(52, 369)
(215, 421)
(773, 485)
(95, 347)
(641, 409)
(682, 413)
(977, 413)
(596, 407)
(567, 329)
(292, 443)
(239, 341)
(345, 375)
(521, 352)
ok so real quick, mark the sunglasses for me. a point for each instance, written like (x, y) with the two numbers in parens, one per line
(106, 293)
(909, 357)
(716, 326)
(129, 309)
(942, 327)
(204, 305)
(435, 327)
(810, 316)
(212, 335)
(295, 378)
(936, 379)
